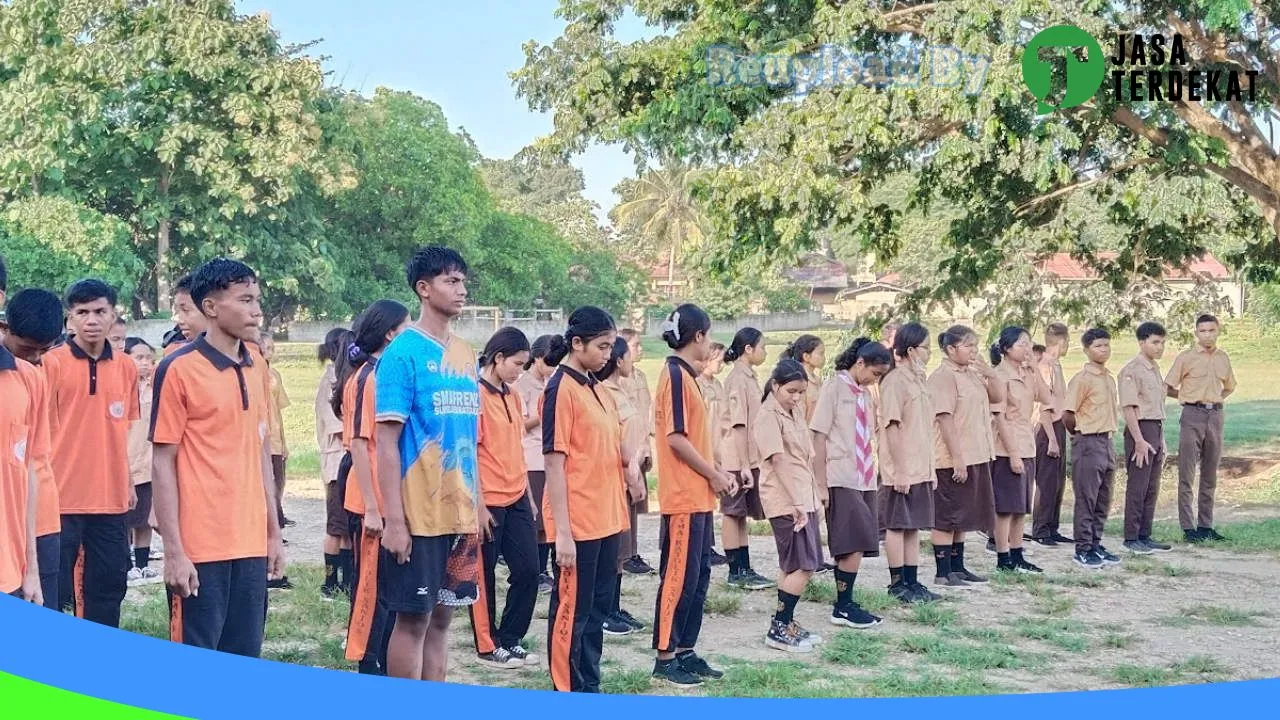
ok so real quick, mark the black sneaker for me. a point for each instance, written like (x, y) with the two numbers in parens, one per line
(717, 559)
(696, 665)
(523, 655)
(544, 584)
(753, 580)
(288, 523)
(952, 581)
(991, 547)
(1193, 536)
(1060, 538)
(1027, 568)
(826, 568)
(1088, 560)
(736, 580)
(1006, 567)
(781, 637)
(922, 594)
(1045, 541)
(805, 635)
(1107, 557)
(670, 671)
(1137, 547)
(903, 593)
(854, 616)
(501, 659)
(968, 576)
(280, 583)
(330, 593)
(614, 625)
(630, 619)
(1210, 534)
(1154, 546)
(502, 561)
(637, 566)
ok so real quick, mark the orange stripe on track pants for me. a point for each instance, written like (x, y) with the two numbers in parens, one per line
(365, 604)
(673, 579)
(562, 632)
(77, 582)
(481, 623)
(175, 618)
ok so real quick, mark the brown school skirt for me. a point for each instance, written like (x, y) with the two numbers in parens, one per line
(537, 483)
(851, 523)
(966, 506)
(912, 511)
(335, 514)
(746, 502)
(1012, 492)
(797, 550)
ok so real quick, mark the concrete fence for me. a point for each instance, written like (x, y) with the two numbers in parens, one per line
(766, 323)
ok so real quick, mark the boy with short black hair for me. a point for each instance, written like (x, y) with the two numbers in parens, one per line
(188, 320)
(1142, 402)
(35, 322)
(214, 496)
(1201, 379)
(93, 398)
(1091, 413)
(428, 408)
(1051, 443)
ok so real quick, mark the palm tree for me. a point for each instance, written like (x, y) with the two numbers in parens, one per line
(660, 204)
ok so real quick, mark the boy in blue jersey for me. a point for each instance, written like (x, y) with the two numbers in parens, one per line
(428, 408)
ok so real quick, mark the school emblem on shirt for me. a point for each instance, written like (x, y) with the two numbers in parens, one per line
(116, 410)
(432, 366)
(20, 450)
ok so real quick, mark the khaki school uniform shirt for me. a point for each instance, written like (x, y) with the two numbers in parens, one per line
(835, 416)
(530, 388)
(635, 431)
(962, 393)
(787, 481)
(643, 401)
(1201, 376)
(279, 401)
(1022, 394)
(1092, 396)
(328, 427)
(1051, 373)
(742, 396)
(139, 445)
(904, 399)
(1141, 386)
(812, 389)
(713, 396)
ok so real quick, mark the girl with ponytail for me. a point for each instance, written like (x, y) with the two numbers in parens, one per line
(809, 351)
(337, 541)
(1013, 471)
(531, 385)
(741, 456)
(370, 625)
(844, 425)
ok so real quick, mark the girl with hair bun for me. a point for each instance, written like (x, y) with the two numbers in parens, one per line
(844, 426)
(741, 456)
(809, 351)
(531, 385)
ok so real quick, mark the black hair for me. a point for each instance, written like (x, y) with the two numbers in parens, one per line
(36, 315)
(89, 290)
(506, 342)
(174, 335)
(953, 336)
(1008, 338)
(689, 320)
(802, 346)
(431, 262)
(216, 275)
(334, 341)
(368, 337)
(539, 349)
(620, 349)
(1147, 329)
(587, 323)
(870, 352)
(132, 342)
(1038, 348)
(788, 370)
(911, 335)
(119, 321)
(1207, 318)
(184, 284)
(1094, 334)
(4, 276)
(741, 339)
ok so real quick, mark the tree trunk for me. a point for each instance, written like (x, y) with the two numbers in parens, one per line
(162, 242)
(671, 273)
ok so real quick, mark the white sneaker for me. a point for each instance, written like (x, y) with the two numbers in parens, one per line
(134, 575)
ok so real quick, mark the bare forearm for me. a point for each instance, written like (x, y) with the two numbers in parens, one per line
(1171, 391)
(531, 423)
(1046, 423)
(897, 446)
(743, 447)
(820, 461)
(33, 485)
(164, 488)
(689, 455)
(389, 472)
(1005, 432)
(1131, 422)
(947, 428)
(1069, 420)
(269, 487)
(558, 493)
(779, 473)
(363, 469)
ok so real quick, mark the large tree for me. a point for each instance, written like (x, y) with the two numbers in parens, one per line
(793, 165)
(660, 208)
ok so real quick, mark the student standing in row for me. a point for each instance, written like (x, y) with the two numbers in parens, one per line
(338, 561)
(428, 402)
(139, 517)
(616, 377)
(585, 508)
(1142, 391)
(279, 401)
(789, 495)
(1014, 470)
(117, 337)
(962, 389)
(809, 351)
(355, 402)
(507, 512)
(188, 320)
(93, 397)
(531, 386)
(713, 395)
(638, 383)
(1201, 379)
(1051, 443)
(844, 425)
(214, 495)
(1091, 415)
(688, 482)
(741, 456)
(906, 462)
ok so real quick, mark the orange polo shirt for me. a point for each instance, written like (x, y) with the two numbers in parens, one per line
(48, 511)
(24, 436)
(359, 421)
(679, 409)
(580, 420)
(499, 447)
(92, 403)
(215, 410)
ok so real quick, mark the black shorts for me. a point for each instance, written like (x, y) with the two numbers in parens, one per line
(139, 517)
(442, 570)
(746, 502)
(228, 613)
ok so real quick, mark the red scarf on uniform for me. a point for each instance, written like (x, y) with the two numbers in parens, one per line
(864, 464)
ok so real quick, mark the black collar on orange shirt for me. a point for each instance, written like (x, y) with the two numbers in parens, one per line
(491, 388)
(79, 352)
(588, 381)
(217, 358)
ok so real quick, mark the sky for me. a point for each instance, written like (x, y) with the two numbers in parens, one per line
(455, 53)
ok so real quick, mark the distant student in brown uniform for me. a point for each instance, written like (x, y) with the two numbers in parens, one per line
(1051, 443)
(1014, 469)
(962, 390)
(643, 401)
(1142, 402)
(531, 385)
(279, 401)
(741, 456)
(906, 473)
(1091, 415)
(844, 426)
(338, 558)
(1201, 379)
(139, 516)
(713, 394)
(809, 351)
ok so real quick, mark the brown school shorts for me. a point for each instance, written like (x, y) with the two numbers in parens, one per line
(852, 526)
(746, 502)
(335, 515)
(966, 506)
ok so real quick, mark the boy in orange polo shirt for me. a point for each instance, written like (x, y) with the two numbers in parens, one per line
(214, 497)
(93, 394)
